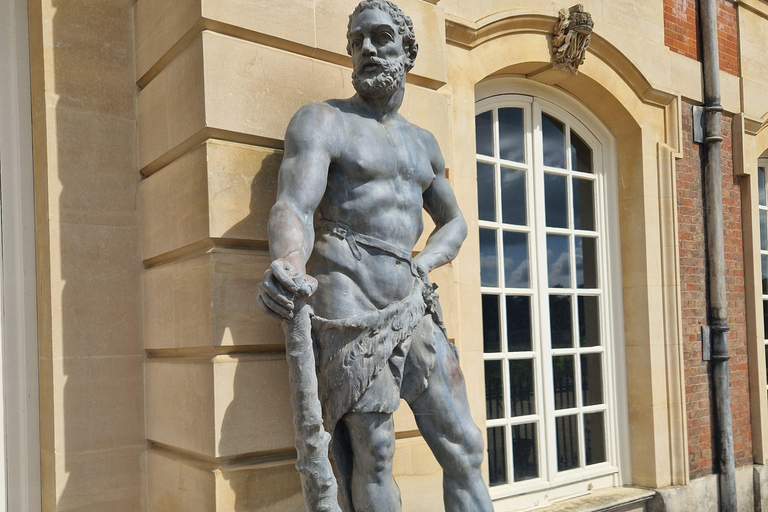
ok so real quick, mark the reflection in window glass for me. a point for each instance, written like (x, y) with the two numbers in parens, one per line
(556, 200)
(494, 390)
(513, 203)
(524, 448)
(591, 379)
(515, 259)
(558, 261)
(567, 429)
(581, 154)
(486, 195)
(484, 133)
(583, 205)
(565, 389)
(764, 264)
(589, 321)
(497, 465)
(594, 438)
(521, 387)
(489, 270)
(511, 135)
(761, 186)
(586, 262)
(553, 134)
(560, 321)
(491, 337)
(518, 323)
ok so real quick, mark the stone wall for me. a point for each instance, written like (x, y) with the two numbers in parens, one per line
(88, 260)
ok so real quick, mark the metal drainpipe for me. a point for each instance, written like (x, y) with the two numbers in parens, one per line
(718, 315)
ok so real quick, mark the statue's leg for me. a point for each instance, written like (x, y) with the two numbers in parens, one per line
(442, 414)
(372, 437)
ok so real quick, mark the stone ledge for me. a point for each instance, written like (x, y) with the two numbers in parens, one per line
(616, 499)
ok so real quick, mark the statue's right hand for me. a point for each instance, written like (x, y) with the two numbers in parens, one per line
(281, 285)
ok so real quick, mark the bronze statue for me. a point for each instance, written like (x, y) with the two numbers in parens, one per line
(353, 181)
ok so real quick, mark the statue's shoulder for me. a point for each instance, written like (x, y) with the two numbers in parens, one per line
(321, 111)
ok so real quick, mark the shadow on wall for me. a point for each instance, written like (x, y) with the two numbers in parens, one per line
(96, 354)
(254, 433)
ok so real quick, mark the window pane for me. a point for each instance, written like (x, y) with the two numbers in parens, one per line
(560, 321)
(765, 320)
(484, 133)
(494, 390)
(589, 321)
(586, 262)
(518, 323)
(515, 259)
(511, 134)
(567, 442)
(513, 197)
(764, 262)
(553, 134)
(524, 452)
(555, 200)
(521, 387)
(491, 337)
(497, 460)
(583, 204)
(581, 154)
(486, 195)
(558, 261)
(591, 379)
(489, 265)
(761, 185)
(562, 374)
(764, 231)
(594, 438)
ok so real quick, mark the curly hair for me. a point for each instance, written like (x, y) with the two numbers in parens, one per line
(403, 22)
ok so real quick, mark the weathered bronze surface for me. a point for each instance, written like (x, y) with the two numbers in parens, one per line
(353, 183)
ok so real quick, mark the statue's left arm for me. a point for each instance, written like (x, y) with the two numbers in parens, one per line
(440, 202)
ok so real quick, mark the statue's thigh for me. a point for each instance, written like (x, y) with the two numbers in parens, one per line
(442, 409)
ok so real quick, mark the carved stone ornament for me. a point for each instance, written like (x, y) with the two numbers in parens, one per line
(572, 34)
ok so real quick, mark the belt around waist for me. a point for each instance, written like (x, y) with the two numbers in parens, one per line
(353, 238)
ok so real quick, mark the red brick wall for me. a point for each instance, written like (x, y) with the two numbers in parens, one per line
(681, 31)
(692, 245)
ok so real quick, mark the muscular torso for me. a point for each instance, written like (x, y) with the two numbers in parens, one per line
(375, 187)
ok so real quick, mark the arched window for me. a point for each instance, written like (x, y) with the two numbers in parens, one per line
(549, 335)
(762, 170)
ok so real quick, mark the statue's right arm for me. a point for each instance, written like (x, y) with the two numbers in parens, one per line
(309, 150)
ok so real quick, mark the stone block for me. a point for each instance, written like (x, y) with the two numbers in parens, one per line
(98, 403)
(220, 407)
(100, 480)
(226, 86)
(760, 487)
(218, 190)
(303, 26)
(208, 301)
(178, 484)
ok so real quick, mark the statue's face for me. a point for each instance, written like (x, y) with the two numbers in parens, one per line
(378, 59)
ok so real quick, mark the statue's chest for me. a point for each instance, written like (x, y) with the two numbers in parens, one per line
(381, 154)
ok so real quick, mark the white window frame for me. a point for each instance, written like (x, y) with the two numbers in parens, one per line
(552, 486)
(19, 390)
(762, 164)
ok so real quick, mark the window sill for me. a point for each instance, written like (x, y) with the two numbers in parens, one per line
(616, 499)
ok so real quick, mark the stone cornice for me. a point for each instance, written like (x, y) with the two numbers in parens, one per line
(469, 35)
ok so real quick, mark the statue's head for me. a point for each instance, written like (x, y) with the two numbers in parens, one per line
(382, 45)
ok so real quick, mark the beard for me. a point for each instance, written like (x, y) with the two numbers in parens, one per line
(383, 84)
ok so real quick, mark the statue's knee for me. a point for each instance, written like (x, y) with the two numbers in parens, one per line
(382, 451)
